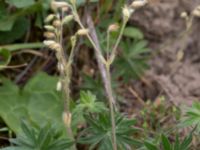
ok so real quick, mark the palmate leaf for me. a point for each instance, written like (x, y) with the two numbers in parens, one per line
(38, 102)
(42, 138)
(98, 134)
(192, 116)
(132, 62)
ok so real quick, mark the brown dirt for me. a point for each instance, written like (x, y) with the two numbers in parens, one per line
(178, 79)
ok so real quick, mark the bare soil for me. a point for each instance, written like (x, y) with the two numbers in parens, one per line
(175, 65)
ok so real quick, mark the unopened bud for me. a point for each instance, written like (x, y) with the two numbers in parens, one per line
(67, 19)
(48, 42)
(138, 3)
(52, 45)
(126, 12)
(82, 31)
(67, 118)
(196, 12)
(55, 46)
(49, 18)
(56, 23)
(49, 28)
(49, 35)
(113, 27)
(184, 15)
(55, 5)
(59, 86)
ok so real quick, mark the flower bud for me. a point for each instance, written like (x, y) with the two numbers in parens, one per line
(113, 27)
(67, 118)
(67, 19)
(184, 15)
(196, 12)
(49, 35)
(49, 28)
(82, 31)
(59, 86)
(48, 42)
(55, 5)
(138, 3)
(49, 18)
(55, 46)
(126, 12)
(57, 23)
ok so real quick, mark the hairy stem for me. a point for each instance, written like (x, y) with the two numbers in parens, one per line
(111, 106)
(65, 76)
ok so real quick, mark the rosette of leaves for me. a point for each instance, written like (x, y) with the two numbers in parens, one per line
(98, 134)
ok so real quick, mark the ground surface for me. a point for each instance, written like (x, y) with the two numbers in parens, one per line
(178, 79)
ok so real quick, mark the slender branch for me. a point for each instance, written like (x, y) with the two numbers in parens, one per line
(114, 50)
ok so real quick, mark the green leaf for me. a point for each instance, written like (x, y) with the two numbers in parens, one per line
(17, 30)
(166, 143)
(192, 116)
(20, 3)
(132, 32)
(150, 146)
(40, 93)
(81, 2)
(186, 142)
(5, 57)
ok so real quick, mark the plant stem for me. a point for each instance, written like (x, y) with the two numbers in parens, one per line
(15, 47)
(66, 79)
(104, 68)
(114, 50)
(111, 106)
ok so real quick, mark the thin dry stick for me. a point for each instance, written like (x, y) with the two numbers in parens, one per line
(104, 69)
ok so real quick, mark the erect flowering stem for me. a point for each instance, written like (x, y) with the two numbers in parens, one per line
(64, 64)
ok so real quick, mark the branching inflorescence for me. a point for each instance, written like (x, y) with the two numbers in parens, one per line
(64, 13)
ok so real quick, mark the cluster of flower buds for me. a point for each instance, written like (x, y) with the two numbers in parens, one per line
(54, 24)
